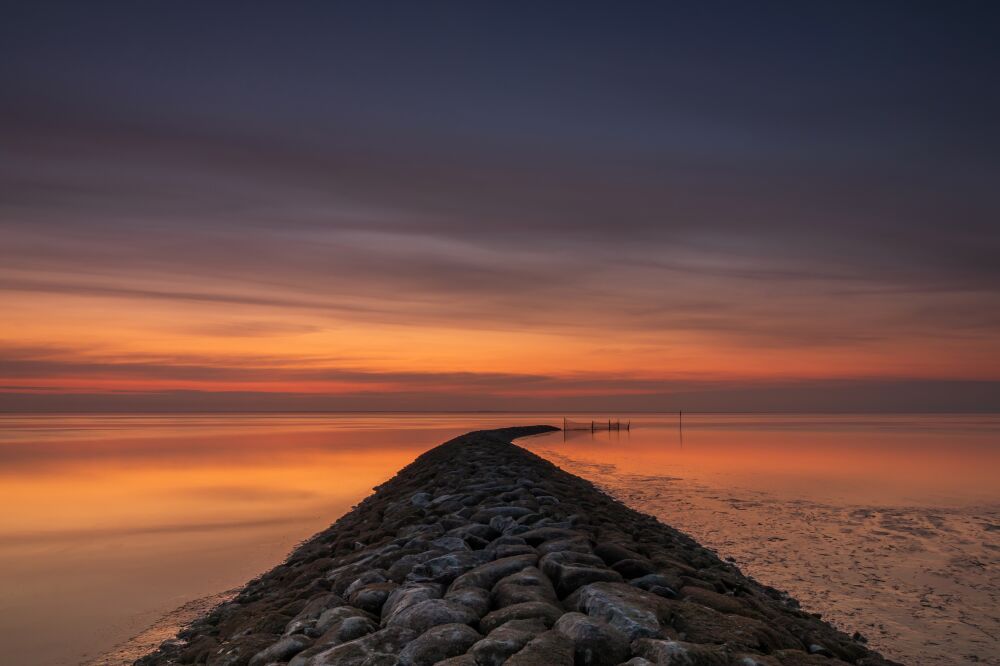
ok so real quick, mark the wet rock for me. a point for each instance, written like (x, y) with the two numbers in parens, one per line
(595, 642)
(475, 599)
(449, 544)
(632, 611)
(487, 514)
(347, 629)
(502, 552)
(502, 524)
(613, 552)
(407, 595)
(461, 660)
(437, 644)
(446, 568)
(548, 649)
(372, 597)
(700, 624)
(678, 652)
(430, 613)
(547, 613)
(634, 568)
(720, 602)
(577, 544)
(306, 618)
(465, 532)
(505, 640)
(529, 584)
(366, 579)
(283, 650)
(335, 616)
(540, 535)
(571, 570)
(657, 584)
(487, 575)
(388, 641)
(402, 567)
(421, 499)
(240, 651)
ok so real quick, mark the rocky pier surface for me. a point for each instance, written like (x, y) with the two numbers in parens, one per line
(480, 553)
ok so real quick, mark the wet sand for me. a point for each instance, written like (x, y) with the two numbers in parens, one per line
(921, 584)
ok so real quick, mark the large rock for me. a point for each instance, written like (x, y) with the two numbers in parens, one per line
(505, 640)
(547, 613)
(613, 552)
(571, 570)
(407, 595)
(485, 515)
(529, 584)
(475, 599)
(634, 612)
(548, 649)
(388, 641)
(283, 650)
(487, 575)
(446, 568)
(344, 623)
(595, 642)
(699, 624)
(371, 598)
(437, 644)
(690, 654)
(431, 613)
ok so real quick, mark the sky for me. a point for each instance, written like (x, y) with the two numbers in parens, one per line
(716, 206)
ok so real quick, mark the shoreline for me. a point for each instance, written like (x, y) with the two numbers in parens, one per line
(479, 552)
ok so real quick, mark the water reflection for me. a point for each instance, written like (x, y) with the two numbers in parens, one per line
(112, 521)
(888, 525)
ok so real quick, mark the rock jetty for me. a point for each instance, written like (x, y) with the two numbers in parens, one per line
(480, 553)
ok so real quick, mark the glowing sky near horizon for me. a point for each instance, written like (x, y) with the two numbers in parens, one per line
(486, 207)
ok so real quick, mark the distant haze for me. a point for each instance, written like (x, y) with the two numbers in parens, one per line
(721, 207)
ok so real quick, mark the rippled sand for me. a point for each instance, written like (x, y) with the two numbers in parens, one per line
(922, 584)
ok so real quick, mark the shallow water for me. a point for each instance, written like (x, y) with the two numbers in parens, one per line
(887, 525)
(114, 525)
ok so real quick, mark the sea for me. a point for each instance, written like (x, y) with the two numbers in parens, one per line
(117, 529)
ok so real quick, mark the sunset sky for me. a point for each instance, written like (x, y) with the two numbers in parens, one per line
(710, 206)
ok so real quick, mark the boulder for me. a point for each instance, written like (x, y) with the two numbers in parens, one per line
(445, 568)
(506, 640)
(437, 644)
(548, 649)
(683, 654)
(595, 642)
(634, 612)
(487, 575)
(282, 650)
(547, 613)
(372, 597)
(430, 613)
(529, 584)
(475, 599)
(407, 595)
(388, 641)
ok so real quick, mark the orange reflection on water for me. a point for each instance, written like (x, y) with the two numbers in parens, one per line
(110, 522)
(882, 458)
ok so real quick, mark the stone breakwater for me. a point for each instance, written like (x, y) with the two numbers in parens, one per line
(480, 553)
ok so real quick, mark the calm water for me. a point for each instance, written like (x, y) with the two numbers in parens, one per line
(885, 524)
